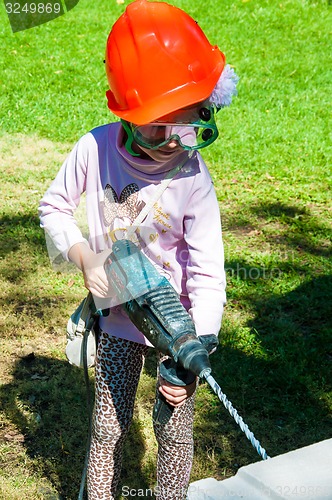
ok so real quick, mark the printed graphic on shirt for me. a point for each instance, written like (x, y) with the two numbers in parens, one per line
(119, 212)
(127, 206)
(161, 217)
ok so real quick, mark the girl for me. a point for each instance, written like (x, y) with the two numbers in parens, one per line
(166, 84)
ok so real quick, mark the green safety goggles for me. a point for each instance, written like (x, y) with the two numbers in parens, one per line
(190, 136)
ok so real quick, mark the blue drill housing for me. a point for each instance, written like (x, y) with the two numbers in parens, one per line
(154, 307)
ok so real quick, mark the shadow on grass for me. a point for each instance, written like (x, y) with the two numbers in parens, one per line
(299, 229)
(278, 376)
(20, 228)
(46, 402)
(303, 227)
(22, 246)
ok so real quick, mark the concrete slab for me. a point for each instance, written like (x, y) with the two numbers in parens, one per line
(305, 473)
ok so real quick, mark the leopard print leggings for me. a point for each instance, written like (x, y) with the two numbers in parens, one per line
(118, 367)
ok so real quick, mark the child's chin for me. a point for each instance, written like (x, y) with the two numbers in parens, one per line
(161, 155)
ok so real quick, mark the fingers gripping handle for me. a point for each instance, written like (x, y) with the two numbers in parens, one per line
(176, 374)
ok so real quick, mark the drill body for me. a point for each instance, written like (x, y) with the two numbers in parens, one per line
(154, 307)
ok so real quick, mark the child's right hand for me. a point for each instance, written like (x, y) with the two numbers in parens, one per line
(92, 267)
(94, 275)
(176, 395)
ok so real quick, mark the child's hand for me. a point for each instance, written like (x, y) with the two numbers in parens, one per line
(92, 267)
(176, 395)
(95, 279)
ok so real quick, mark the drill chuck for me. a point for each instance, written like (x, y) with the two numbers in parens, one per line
(194, 357)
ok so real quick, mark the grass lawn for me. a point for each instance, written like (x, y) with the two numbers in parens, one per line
(272, 171)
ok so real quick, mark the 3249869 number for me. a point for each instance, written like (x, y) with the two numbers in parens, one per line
(33, 8)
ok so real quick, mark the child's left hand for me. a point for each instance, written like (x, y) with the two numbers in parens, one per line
(176, 395)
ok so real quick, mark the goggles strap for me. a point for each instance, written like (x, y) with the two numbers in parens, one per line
(130, 138)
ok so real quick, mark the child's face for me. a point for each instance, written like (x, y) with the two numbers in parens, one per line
(164, 153)
(187, 129)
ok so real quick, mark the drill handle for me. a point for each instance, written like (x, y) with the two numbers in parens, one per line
(210, 342)
(174, 373)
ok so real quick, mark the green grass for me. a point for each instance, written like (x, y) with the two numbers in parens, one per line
(272, 171)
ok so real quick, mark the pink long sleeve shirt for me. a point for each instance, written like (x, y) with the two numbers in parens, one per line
(181, 234)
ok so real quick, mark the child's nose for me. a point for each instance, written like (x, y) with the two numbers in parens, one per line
(173, 144)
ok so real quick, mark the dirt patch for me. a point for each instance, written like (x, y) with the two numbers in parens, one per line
(19, 151)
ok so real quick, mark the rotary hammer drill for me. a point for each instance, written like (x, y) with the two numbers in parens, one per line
(153, 306)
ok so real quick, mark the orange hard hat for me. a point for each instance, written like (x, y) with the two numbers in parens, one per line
(158, 60)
